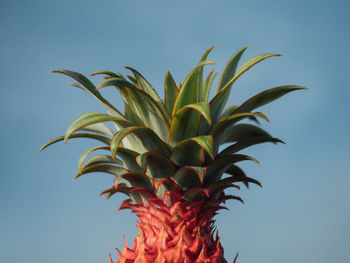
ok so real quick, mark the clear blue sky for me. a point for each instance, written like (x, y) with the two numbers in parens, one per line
(301, 214)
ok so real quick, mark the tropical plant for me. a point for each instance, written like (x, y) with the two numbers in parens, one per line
(165, 155)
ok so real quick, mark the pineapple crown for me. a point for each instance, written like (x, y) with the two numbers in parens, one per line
(171, 148)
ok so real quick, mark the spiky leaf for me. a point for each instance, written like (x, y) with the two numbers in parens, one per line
(265, 97)
(189, 92)
(150, 112)
(230, 69)
(156, 164)
(218, 103)
(92, 118)
(97, 137)
(217, 167)
(143, 138)
(170, 92)
(185, 122)
(90, 87)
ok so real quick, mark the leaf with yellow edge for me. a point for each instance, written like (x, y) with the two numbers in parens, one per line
(218, 103)
(97, 137)
(189, 91)
(92, 118)
(144, 137)
(191, 151)
(217, 167)
(185, 122)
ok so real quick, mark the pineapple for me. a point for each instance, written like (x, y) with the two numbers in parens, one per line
(165, 155)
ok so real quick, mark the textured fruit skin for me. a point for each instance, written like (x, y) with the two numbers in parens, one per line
(171, 230)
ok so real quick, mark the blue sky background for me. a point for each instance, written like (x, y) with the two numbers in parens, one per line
(301, 214)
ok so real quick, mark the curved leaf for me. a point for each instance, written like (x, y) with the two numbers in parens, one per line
(223, 126)
(230, 69)
(145, 86)
(244, 131)
(156, 165)
(166, 185)
(100, 128)
(265, 97)
(134, 180)
(99, 159)
(188, 177)
(207, 84)
(202, 92)
(216, 168)
(231, 110)
(104, 168)
(86, 153)
(152, 114)
(189, 92)
(144, 137)
(108, 73)
(248, 142)
(170, 92)
(92, 118)
(122, 188)
(238, 175)
(196, 194)
(185, 122)
(129, 158)
(98, 137)
(191, 151)
(219, 101)
(88, 86)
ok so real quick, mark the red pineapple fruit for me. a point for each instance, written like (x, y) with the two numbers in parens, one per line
(165, 155)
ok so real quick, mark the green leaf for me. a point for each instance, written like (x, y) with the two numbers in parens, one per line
(122, 188)
(253, 61)
(170, 92)
(134, 180)
(239, 176)
(151, 113)
(230, 69)
(248, 142)
(88, 86)
(231, 110)
(218, 103)
(189, 92)
(244, 131)
(108, 73)
(99, 159)
(130, 108)
(104, 168)
(99, 128)
(145, 86)
(217, 167)
(87, 152)
(201, 90)
(190, 151)
(144, 138)
(156, 165)
(133, 80)
(196, 194)
(265, 97)
(92, 118)
(207, 84)
(97, 137)
(216, 188)
(166, 185)
(223, 126)
(187, 177)
(185, 122)
(129, 158)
